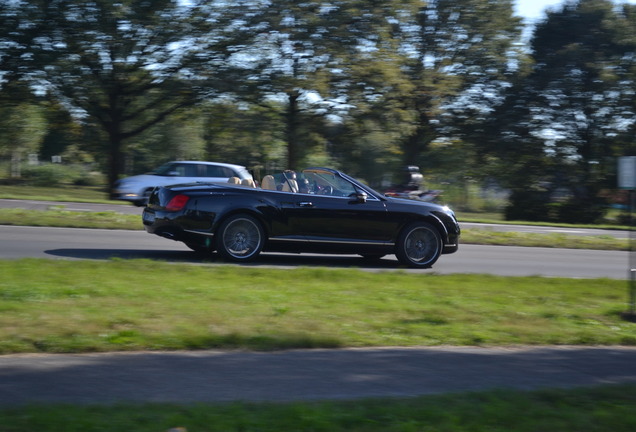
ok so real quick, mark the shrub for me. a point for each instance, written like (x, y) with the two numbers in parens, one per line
(580, 211)
(536, 206)
(528, 205)
(90, 178)
(49, 175)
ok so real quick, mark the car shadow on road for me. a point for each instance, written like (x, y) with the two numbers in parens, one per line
(264, 260)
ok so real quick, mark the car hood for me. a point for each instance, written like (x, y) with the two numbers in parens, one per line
(420, 204)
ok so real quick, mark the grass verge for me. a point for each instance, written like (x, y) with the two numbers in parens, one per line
(553, 240)
(607, 408)
(70, 193)
(65, 306)
(58, 217)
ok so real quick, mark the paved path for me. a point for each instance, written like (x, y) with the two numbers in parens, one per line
(217, 376)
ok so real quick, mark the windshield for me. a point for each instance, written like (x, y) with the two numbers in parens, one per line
(313, 181)
(163, 169)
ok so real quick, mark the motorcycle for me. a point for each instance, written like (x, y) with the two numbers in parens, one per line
(411, 188)
(430, 195)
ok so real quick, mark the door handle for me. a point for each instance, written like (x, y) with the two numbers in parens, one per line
(305, 204)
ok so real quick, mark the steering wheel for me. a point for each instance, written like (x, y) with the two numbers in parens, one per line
(326, 190)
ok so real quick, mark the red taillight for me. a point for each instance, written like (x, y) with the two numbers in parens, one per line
(177, 203)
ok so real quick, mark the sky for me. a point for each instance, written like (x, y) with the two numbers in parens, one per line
(532, 10)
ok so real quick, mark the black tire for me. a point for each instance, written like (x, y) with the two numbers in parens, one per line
(419, 245)
(240, 238)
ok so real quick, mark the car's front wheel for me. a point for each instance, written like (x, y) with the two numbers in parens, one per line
(419, 245)
(240, 238)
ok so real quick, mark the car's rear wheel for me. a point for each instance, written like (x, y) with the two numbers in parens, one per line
(240, 238)
(419, 245)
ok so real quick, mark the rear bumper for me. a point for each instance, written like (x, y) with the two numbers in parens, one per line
(163, 224)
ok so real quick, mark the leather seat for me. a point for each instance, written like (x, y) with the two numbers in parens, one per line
(268, 183)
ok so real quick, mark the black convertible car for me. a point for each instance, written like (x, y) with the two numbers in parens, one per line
(318, 210)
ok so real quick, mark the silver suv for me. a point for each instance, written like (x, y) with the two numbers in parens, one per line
(136, 189)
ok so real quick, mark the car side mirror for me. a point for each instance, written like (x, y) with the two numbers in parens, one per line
(361, 197)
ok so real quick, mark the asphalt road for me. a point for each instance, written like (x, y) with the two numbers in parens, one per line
(76, 244)
(214, 376)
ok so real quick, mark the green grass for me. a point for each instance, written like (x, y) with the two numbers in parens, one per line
(552, 240)
(606, 408)
(91, 194)
(58, 217)
(64, 306)
(497, 218)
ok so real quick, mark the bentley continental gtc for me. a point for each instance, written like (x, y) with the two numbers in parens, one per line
(317, 210)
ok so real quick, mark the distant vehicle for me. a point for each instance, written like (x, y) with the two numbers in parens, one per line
(318, 210)
(411, 187)
(136, 189)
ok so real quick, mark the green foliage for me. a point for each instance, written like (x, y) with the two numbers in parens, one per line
(250, 136)
(55, 174)
(530, 205)
(576, 210)
(564, 124)
(22, 126)
(48, 175)
(537, 206)
(603, 408)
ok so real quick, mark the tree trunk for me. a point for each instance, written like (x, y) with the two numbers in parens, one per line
(291, 130)
(115, 159)
(418, 141)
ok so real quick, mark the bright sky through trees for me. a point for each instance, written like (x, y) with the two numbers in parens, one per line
(532, 10)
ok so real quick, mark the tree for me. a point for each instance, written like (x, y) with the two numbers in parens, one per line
(428, 69)
(457, 54)
(128, 65)
(21, 123)
(250, 135)
(62, 131)
(306, 48)
(24, 127)
(559, 130)
(21, 24)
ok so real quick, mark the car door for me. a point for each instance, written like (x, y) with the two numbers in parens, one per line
(339, 219)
